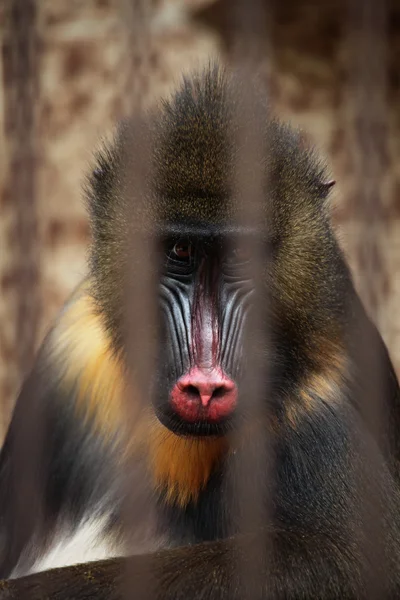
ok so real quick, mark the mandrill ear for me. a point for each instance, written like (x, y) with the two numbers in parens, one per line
(329, 184)
(325, 188)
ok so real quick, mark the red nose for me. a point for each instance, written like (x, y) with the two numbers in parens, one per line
(204, 395)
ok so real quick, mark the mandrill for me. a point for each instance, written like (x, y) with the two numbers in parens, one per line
(321, 489)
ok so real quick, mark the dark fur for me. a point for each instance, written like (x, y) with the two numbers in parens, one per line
(333, 470)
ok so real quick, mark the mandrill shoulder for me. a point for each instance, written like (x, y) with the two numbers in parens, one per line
(88, 371)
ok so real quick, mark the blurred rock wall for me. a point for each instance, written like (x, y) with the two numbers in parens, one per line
(82, 81)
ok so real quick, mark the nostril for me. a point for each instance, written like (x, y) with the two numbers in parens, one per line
(220, 391)
(192, 390)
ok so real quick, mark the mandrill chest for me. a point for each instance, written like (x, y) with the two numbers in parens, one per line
(205, 518)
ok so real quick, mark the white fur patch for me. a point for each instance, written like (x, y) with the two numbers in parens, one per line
(87, 544)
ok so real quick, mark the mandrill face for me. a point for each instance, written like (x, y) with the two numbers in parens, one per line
(204, 295)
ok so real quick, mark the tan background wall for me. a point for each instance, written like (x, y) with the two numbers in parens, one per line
(82, 82)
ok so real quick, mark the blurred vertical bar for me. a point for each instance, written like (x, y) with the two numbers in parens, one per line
(366, 98)
(140, 291)
(20, 56)
(365, 126)
(252, 472)
(20, 68)
(136, 17)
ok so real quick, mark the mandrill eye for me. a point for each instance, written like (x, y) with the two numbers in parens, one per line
(182, 251)
(180, 255)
